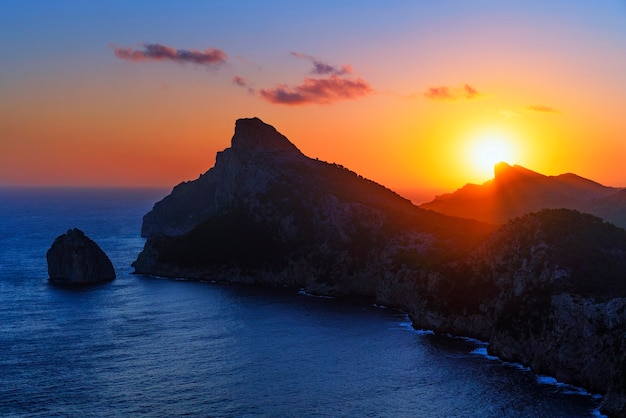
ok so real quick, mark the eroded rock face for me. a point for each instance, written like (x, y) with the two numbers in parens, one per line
(75, 259)
(547, 290)
(243, 172)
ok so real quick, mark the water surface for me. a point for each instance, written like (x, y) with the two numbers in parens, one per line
(143, 346)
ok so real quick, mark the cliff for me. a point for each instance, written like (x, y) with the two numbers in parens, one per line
(515, 190)
(547, 289)
(242, 174)
(266, 213)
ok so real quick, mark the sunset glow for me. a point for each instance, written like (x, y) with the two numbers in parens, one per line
(413, 95)
(488, 150)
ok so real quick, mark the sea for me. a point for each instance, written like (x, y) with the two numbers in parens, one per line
(144, 346)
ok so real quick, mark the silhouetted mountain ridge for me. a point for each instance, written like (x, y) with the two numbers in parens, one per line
(263, 190)
(516, 190)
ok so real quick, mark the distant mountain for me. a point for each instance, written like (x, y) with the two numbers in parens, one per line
(547, 289)
(516, 190)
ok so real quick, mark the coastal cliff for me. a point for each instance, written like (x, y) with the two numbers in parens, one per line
(266, 213)
(547, 289)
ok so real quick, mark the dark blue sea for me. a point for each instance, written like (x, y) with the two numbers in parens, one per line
(147, 347)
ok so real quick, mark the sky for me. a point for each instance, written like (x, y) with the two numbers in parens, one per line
(416, 95)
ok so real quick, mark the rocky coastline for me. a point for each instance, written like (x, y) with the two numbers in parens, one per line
(547, 289)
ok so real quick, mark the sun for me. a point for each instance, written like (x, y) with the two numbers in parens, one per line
(487, 150)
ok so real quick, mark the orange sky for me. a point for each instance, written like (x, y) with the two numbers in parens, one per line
(146, 94)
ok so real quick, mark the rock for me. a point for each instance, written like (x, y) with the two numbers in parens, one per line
(242, 171)
(547, 290)
(74, 259)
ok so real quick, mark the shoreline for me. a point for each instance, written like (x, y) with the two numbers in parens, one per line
(480, 345)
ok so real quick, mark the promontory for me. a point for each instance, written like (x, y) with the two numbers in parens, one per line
(546, 289)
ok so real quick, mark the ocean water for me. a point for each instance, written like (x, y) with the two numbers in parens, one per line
(143, 346)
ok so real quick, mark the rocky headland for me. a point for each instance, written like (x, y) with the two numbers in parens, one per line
(546, 289)
(74, 259)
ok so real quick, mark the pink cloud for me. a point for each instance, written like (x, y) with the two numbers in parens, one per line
(452, 93)
(439, 93)
(318, 90)
(157, 52)
(322, 68)
(337, 84)
(470, 92)
(242, 82)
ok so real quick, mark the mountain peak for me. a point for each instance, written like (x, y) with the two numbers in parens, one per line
(500, 168)
(516, 190)
(504, 172)
(252, 134)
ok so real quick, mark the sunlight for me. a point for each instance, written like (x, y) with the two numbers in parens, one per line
(489, 149)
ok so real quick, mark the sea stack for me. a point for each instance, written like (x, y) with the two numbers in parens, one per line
(74, 259)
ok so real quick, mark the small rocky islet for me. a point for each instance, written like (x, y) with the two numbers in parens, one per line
(74, 259)
(546, 289)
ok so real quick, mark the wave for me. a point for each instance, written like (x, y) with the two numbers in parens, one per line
(305, 293)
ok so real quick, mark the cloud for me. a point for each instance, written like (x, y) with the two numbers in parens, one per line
(242, 82)
(322, 68)
(212, 57)
(336, 83)
(439, 93)
(542, 109)
(318, 90)
(452, 93)
(470, 92)
(328, 83)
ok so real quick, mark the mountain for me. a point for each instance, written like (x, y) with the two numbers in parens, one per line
(516, 190)
(547, 289)
(266, 213)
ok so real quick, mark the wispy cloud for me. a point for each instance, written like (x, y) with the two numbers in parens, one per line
(338, 84)
(242, 82)
(327, 83)
(322, 68)
(211, 57)
(452, 93)
(318, 90)
(542, 109)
